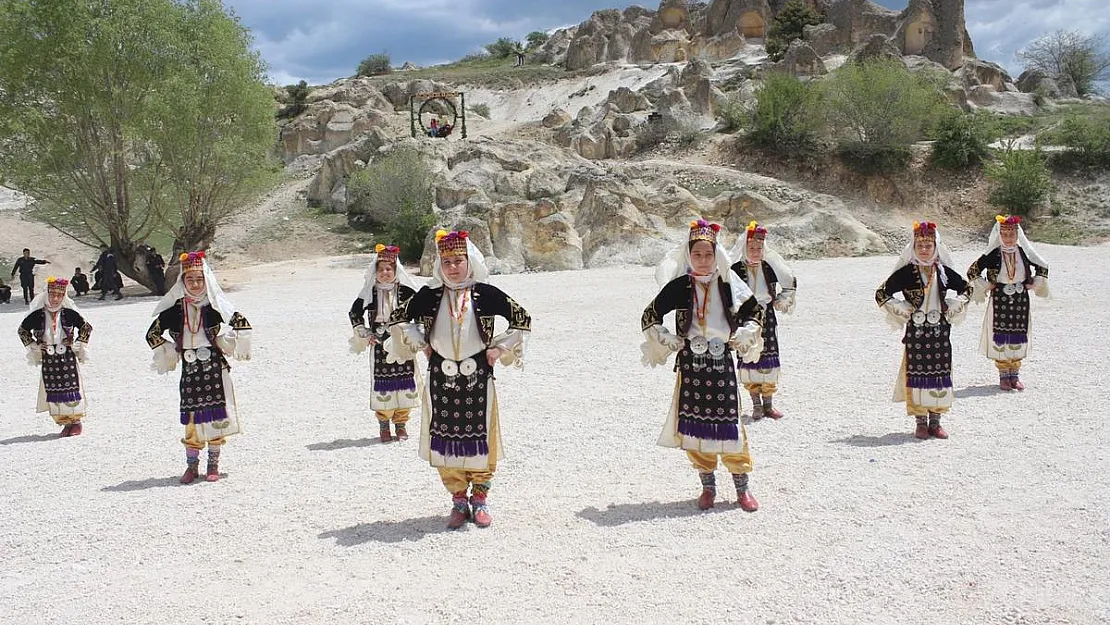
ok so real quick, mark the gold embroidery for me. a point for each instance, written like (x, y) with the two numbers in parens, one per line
(26, 336)
(650, 318)
(881, 298)
(84, 332)
(154, 334)
(682, 321)
(973, 271)
(519, 319)
(239, 322)
(487, 327)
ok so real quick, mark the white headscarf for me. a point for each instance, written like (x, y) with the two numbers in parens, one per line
(677, 263)
(942, 258)
(1023, 243)
(371, 278)
(40, 301)
(215, 295)
(783, 272)
(476, 264)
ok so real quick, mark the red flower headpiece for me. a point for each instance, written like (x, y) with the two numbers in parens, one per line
(756, 231)
(924, 229)
(451, 243)
(1012, 221)
(387, 253)
(192, 261)
(702, 230)
(56, 285)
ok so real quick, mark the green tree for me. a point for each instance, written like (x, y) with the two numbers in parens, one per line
(131, 117)
(1083, 59)
(877, 109)
(375, 65)
(789, 25)
(393, 195)
(962, 140)
(297, 100)
(535, 39)
(503, 48)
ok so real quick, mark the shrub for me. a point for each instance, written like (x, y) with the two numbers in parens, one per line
(503, 48)
(536, 39)
(789, 25)
(733, 114)
(1087, 140)
(375, 65)
(783, 118)
(394, 192)
(689, 135)
(296, 105)
(962, 140)
(1019, 179)
(653, 132)
(878, 109)
(481, 109)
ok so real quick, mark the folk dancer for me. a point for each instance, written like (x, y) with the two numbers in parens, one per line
(923, 274)
(1013, 268)
(57, 338)
(194, 312)
(452, 319)
(774, 286)
(716, 314)
(386, 288)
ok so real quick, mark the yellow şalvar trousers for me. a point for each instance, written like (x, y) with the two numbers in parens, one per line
(458, 480)
(399, 417)
(766, 388)
(707, 463)
(193, 441)
(1008, 366)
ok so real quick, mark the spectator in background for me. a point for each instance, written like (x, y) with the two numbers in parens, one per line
(156, 267)
(25, 265)
(79, 282)
(5, 293)
(109, 280)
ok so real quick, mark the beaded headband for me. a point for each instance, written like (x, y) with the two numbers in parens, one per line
(702, 230)
(924, 230)
(756, 231)
(451, 243)
(193, 261)
(387, 253)
(1008, 221)
(56, 285)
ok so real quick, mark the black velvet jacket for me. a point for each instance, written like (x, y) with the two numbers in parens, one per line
(488, 303)
(678, 296)
(907, 279)
(31, 330)
(991, 262)
(173, 319)
(358, 315)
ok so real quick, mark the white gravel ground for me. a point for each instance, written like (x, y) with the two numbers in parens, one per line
(316, 522)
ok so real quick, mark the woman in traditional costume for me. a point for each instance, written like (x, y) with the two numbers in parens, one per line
(716, 314)
(923, 275)
(1013, 268)
(774, 286)
(387, 287)
(454, 316)
(57, 338)
(195, 312)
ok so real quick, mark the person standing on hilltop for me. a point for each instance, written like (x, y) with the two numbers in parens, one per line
(25, 265)
(774, 286)
(57, 339)
(923, 275)
(1013, 268)
(452, 320)
(716, 315)
(194, 312)
(386, 288)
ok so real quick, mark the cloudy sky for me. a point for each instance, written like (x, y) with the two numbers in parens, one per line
(324, 40)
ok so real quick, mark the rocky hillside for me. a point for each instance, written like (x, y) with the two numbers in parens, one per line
(567, 173)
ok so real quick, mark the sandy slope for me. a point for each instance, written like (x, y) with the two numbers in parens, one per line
(315, 522)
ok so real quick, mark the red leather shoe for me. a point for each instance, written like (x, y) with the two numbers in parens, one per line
(705, 500)
(1017, 385)
(922, 431)
(460, 513)
(75, 429)
(190, 474)
(772, 412)
(65, 431)
(482, 517)
(747, 502)
(402, 433)
(1004, 384)
(384, 433)
(937, 431)
(213, 473)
